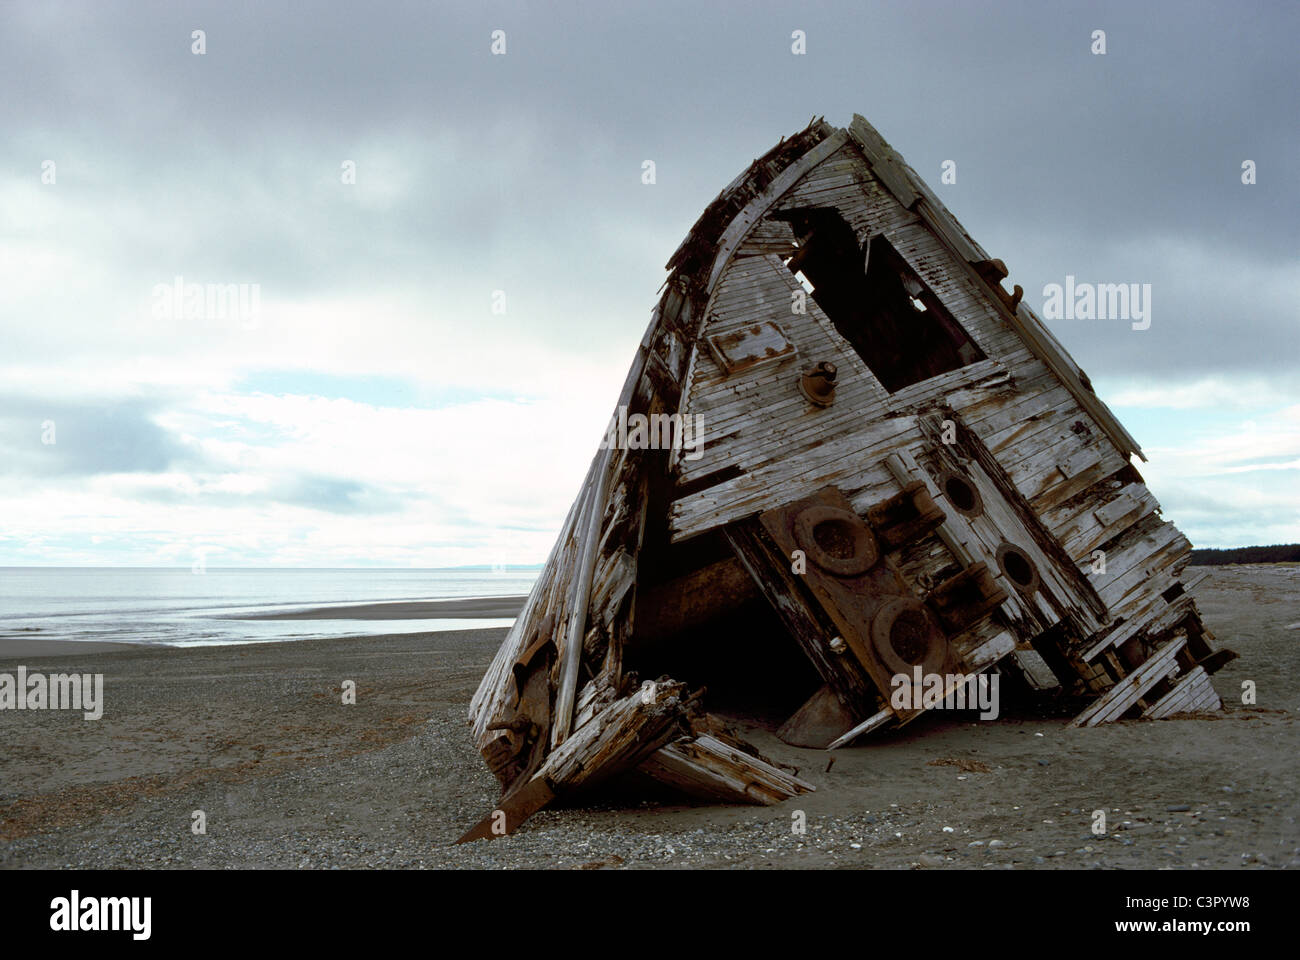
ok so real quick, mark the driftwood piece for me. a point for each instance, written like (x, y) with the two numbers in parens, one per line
(709, 769)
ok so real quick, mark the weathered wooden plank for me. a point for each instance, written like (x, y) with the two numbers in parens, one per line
(594, 695)
(830, 191)
(617, 739)
(784, 432)
(859, 397)
(750, 287)
(1138, 553)
(1208, 701)
(1051, 488)
(1154, 575)
(614, 578)
(1185, 693)
(1124, 694)
(575, 626)
(764, 246)
(777, 394)
(1002, 644)
(786, 480)
(1097, 523)
(1117, 636)
(770, 403)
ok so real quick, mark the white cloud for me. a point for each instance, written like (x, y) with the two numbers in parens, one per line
(483, 481)
(1207, 393)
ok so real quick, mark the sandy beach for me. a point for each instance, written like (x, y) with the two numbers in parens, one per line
(257, 738)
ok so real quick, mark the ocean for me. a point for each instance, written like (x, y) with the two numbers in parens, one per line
(174, 606)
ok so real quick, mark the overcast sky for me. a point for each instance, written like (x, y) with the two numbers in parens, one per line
(376, 411)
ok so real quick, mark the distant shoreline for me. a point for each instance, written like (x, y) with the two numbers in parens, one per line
(470, 608)
(24, 644)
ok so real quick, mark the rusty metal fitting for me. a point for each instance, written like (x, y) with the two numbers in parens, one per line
(817, 383)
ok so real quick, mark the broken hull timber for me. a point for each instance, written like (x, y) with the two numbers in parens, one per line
(899, 466)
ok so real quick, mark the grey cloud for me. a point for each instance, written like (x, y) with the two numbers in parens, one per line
(525, 167)
(109, 436)
(335, 495)
(1222, 521)
(312, 491)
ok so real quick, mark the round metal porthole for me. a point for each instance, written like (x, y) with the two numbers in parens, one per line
(1018, 568)
(836, 540)
(961, 494)
(905, 634)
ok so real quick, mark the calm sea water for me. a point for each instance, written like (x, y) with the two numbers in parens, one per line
(177, 607)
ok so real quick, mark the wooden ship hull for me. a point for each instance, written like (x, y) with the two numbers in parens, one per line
(843, 441)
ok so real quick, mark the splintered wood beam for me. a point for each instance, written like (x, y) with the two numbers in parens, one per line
(615, 740)
(866, 726)
(708, 769)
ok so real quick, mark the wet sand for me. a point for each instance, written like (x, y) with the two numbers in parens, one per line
(15, 647)
(257, 737)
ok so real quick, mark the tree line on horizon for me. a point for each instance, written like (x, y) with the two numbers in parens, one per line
(1276, 553)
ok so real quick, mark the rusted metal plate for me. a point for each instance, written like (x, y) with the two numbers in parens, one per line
(741, 349)
(513, 810)
(884, 625)
(801, 613)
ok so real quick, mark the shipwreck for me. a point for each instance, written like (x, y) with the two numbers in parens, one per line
(845, 458)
